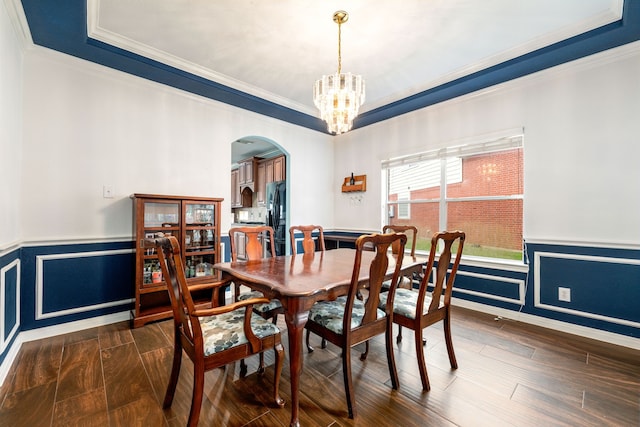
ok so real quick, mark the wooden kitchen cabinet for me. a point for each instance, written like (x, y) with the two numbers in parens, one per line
(195, 222)
(279, 168)
(236, 197)
(247, 172)
(262, 184)
(272, 170)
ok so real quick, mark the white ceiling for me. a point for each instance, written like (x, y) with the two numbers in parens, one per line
(277, 49)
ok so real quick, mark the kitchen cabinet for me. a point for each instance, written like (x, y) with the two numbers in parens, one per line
(195, 222)
(262, 183)
(241, 245)
(244, 183)
(279, 168)
(274, 170)
(236, 197)
(247, 173)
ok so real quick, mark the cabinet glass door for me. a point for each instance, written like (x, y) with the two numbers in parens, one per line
(160, 218)
(199, 214)
(199, 239)
(161, 214)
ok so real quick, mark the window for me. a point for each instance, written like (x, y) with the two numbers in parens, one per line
(404, 211)
(476, 188)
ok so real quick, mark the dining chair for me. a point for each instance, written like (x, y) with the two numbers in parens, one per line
(211, 337)
(255, 240)
(348, 320)
(308, 242)
(417, 310)
(412, 234)
(308, 245)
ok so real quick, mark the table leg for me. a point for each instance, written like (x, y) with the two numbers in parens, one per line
(295, 327)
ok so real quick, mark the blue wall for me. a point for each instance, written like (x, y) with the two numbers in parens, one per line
(10, 279)
(63, 283)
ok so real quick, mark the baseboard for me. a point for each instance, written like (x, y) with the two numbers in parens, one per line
(50, 331)
(570, 328)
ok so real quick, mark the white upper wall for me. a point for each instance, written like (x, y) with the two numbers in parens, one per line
(10, 130)
(89, 126)
(581, 139)
(86, 126)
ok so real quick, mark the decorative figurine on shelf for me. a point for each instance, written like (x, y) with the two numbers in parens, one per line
(352, 180)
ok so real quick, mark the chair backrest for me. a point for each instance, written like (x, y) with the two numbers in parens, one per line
(449, 239)
(256, 238)
(377, 268)
(308, 243)
(182, 304)
(411, 232)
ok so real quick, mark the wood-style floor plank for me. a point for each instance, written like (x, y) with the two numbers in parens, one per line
(38, 363)
(80, 369)
(30, 407)
(509, 374)
(88, 409)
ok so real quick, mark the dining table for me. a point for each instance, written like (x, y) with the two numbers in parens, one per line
(298, 282)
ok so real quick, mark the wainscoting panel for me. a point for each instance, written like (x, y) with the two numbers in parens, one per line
(604, 285)
(10, 290)
(490, 286)
(64, 283)
(9, 303)
(76, 282)
(603, 288)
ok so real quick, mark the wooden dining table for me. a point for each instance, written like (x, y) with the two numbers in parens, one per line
(300, 281)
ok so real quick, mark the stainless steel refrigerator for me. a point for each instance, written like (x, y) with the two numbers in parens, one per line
(277, 213)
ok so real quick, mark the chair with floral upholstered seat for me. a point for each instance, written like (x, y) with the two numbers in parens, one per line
(348, 321)
(309, 244)
(256, 240)
(211, 337)
(417, 310)
(412, 235)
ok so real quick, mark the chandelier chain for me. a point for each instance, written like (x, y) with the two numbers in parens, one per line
(339, 47)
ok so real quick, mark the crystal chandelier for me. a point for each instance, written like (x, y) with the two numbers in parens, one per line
(339, 96)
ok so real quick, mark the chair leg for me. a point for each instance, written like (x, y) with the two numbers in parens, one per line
(422, 366)
(447, 338)
(175, 372)
(363, 356)
(348, 381)
(196, 399)
(323, 343)
(261, 364)
(243, 368)
(279, 351)
(391, 361)
(399, 339)
(309, 348)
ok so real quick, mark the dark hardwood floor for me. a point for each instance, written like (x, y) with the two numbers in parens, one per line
(509, 374)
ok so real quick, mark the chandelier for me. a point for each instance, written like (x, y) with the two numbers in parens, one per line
(339, 96)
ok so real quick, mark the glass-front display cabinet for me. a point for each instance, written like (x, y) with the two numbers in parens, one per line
(195, 222)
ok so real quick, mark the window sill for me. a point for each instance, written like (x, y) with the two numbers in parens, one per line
(495, 264)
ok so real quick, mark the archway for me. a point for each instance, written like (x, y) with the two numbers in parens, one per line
(259, 170)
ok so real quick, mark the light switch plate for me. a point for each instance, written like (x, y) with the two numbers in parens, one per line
(107, 191)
